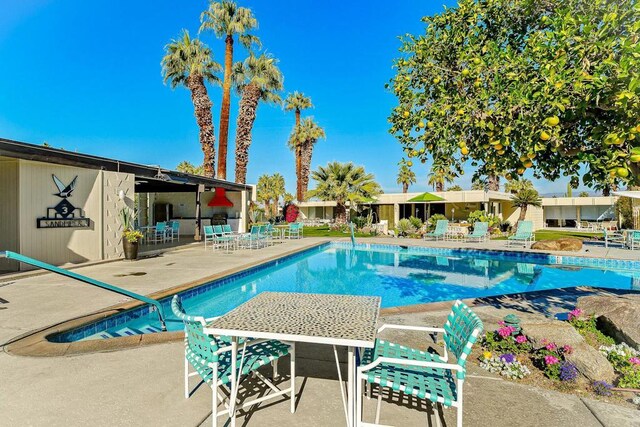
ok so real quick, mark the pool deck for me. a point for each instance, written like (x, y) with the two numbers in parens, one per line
(143, 385)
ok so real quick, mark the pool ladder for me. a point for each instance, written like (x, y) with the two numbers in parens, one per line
(353, 238)
(61, 271)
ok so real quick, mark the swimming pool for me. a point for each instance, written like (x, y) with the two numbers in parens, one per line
(399, 275)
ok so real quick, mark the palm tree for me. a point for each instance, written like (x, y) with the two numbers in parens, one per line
(440, 174)
(342, 183)
(226, 19)
(478, 184)
(493, 182)
(455, 188)
(189, 62)
(188, 167)
(297, 101)
(256, 79)
(303, 139)
(269, 190)
(525, 198)
(406, 177)
(515, 186)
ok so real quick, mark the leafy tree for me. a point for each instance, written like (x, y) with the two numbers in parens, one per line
(227, 20)
(287, 198)
(269, 190)
(478, 184)
(189, 62)
(510, 85)
(303, 139)
(525, 198)
(455, 188)
(514, 186)
(583, 194)
(297, 101)
(406, 177)
(440, 174)
(342, 183)
(256, 79)
(188, 167)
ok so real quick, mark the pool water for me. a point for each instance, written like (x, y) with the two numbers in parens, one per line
(400, 276)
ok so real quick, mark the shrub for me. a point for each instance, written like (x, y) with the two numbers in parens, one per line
(504, 340)
(433, 219)
(625, 361)
(586, 326)
(482, 216)
(291, 212)
(550, 357)
(416, 222)
(505, 365)
(404, 227)
(359, 221)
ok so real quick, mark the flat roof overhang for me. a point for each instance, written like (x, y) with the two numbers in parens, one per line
(164, 180)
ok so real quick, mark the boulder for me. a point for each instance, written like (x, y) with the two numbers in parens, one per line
(617, 315)
(564, 244)
(589, 361)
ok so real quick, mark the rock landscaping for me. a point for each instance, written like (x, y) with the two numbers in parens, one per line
(565, 244)
(617, 315)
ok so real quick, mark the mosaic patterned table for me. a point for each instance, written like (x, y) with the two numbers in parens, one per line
(337, 320)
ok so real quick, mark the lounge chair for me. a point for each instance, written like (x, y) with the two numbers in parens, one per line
(211, 359)
(420, 373)
(480, 232)
(523, 236)
(441, 230)
(611, 236)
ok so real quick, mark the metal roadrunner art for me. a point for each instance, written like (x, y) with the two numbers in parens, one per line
(64, 214)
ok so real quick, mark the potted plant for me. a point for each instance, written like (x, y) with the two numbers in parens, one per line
(130, 236)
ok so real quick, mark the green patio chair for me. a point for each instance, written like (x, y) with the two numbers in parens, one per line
(441, 230)
(211, 359)
(480, 232)
(524, 234)
(419, 373)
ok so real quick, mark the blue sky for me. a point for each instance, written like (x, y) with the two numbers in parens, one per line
(85, 76)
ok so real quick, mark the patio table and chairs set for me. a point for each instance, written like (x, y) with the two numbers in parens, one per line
(629, 239)
(162, 232)
(226, 352)
(259, 236)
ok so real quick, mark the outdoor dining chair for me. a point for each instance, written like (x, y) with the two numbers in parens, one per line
(210, 357)
(613, 236)
(221, 239)
(440, 232)
(252, 239)
(209, 235)
(294, 231)
(159, 233)
(422, 374)
(175, 230)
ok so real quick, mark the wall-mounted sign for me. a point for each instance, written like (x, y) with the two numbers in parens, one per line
(64, 214)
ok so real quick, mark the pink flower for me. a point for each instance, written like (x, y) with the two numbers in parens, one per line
(506, 331)
(551, 346)
(550, 360)
(568, 349)
(575, 313)
(521, 339)
(635, 361)
(544, 341)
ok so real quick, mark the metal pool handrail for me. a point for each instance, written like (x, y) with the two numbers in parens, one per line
(353, 238)
(43, 265)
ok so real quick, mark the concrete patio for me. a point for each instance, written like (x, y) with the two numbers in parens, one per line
(143, 386)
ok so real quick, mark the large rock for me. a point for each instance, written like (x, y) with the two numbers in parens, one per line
(618, 315)
(589, 362)
(563, 244)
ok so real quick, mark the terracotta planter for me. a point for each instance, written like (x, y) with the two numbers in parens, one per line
(130, 249)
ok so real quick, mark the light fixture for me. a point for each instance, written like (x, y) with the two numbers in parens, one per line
(121, 194)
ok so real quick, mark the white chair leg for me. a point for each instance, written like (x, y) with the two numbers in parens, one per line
(359, 392)
(292, 354)
(186, 378)
(459, 410)
(214, 398)
(379, 404)
(436, 414)
(275, 368)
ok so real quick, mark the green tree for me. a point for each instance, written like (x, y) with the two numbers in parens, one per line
(268, 191)
(440, 174)
(304, 138)
(455, 188)
(188, 62)
(227, 20)
(525, 198)
(510, 85)
(188, 167)
(514, 185)
(583, 194)
(297, 101)
(342, 183)
(256, 79)
(478, 184)
(406, 177)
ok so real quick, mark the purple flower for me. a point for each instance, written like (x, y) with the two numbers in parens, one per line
(550, 360)
(602, 388)
(568, 371)
(508, 358)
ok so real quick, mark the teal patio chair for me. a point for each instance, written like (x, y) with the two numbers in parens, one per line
(441, 230)
(480, 232)
(524, 234)
(175, 230)
(633, 239)
(226, 229)
(251, 239)
(294, 231)
(221, 239)
(159, 234)
(613, 236)
(211, 359)
(419, 373)
(209, 235)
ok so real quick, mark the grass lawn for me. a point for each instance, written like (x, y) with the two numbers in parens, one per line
(553, 235)
(324, 231)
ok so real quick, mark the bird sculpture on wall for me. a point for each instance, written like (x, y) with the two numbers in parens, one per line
(64, 191)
